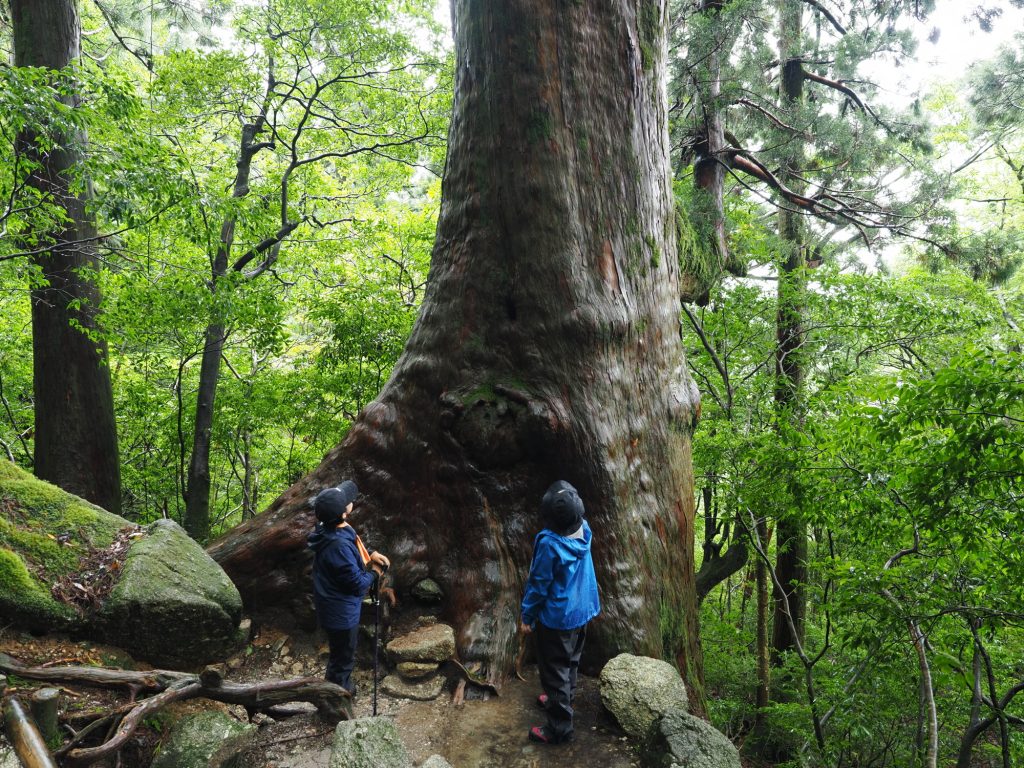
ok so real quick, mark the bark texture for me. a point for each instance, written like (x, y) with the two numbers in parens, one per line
(547, 347)
(75, 431)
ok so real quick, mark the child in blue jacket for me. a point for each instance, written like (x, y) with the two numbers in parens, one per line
(560, 598)
(343, 571)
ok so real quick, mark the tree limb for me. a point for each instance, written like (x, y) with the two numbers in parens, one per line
(827, 14)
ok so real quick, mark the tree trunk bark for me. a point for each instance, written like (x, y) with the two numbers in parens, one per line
(547, 347)
(791, 529)
(709, 166)
(197, 495)
(762, 694)
(75, 431)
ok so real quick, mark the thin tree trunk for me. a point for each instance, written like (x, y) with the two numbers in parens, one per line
(709, 166)
(75, 431)
(762, 695)
(927, 692)
(197, 493)
(791, 529)
(547, 347)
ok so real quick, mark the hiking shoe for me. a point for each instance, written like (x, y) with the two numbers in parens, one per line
(542, 735)
(542, 701)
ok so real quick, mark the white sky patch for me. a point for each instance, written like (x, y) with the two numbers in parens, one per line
(959, 43)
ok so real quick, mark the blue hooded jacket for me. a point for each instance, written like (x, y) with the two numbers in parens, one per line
(339, 578)
(561, 591)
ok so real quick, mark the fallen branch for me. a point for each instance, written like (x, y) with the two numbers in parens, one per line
(154, 680)
(25, 737)
(332, 701)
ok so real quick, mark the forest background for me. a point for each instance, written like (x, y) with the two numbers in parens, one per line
(264, 182)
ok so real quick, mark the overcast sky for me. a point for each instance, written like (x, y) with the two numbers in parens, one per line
(960, 41)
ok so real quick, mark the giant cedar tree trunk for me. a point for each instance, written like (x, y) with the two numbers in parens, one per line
(75, 431)
(791, 530)
(547, 347)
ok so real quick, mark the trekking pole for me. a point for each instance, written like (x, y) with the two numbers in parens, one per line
(376, 637)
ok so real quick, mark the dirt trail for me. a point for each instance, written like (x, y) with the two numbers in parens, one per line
(483, 731)
(480, 732)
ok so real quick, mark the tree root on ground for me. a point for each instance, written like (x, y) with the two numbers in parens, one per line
(332, 701)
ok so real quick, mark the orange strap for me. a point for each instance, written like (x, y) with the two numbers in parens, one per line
(362, 551)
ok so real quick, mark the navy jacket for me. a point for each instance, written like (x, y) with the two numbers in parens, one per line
(339, 578)
(561, 591)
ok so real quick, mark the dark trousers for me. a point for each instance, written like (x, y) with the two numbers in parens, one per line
(558, 660)
(342, 660)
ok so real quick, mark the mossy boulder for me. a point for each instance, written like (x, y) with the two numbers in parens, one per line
(677, 739)
(170, 587)
(371, 742)
(171, 604)
(637, 690)
(44, 535)
(209, 739)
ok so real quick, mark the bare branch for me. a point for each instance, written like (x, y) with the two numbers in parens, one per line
(827, 14)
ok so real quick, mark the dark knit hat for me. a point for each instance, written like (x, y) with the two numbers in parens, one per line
(561, 509)
(330, 504)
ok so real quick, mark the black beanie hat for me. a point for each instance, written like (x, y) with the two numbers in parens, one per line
(330, 504)
(561, 509)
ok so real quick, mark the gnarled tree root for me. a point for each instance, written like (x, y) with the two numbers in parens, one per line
(332, 701)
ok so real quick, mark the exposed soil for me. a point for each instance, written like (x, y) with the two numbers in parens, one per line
(486, 730)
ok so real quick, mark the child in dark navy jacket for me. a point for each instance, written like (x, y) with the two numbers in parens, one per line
(343, 571)
(560, 598)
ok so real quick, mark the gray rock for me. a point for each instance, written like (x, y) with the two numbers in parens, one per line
(428, 591)
(371, 742)
(174, 605)
(434, 643)
(414, 670)
(637, 690)
(204, 740)
(8, 759)
(436, 761)
(680, 740)
(427, 690)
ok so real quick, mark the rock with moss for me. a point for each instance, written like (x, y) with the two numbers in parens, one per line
(209, 739)
(417, 690)
(45, 533)
(371, 742)
(173, 604)
(677, 739)
(430, 644)
(637, 690)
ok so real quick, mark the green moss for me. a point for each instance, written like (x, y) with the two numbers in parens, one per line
(699, 262)
(482, 392)
(582, 142)
(9, 471)
(24, 598)
(28, 502)
(539, 126)
(39, 549)
(44, 534)
(655, 250)
(649, 28)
